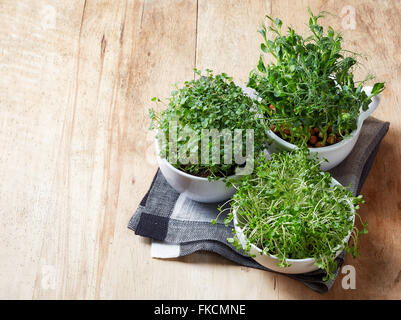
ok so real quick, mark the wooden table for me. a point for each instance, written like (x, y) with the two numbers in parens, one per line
(76, 157)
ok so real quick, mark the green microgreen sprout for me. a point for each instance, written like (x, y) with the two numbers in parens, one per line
(309, 95)
(290, 209)
(208, 102)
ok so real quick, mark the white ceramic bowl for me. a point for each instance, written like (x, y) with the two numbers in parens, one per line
(334, 153)
(196, 188)
(270, 261)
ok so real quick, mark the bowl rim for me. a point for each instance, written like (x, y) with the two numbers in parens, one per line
(239, 230)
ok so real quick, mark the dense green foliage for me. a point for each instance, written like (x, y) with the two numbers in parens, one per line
(208, 102)
(311, 84)
(290, 209)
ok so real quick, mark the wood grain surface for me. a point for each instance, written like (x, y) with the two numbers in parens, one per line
(76, 156)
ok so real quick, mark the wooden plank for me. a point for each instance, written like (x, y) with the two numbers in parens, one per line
(227, 36)
(67, 179)
(38, 43)
(163, 54)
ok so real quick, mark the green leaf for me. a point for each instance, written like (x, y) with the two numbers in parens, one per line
(377, 88)
(264, 48)
(278, 22)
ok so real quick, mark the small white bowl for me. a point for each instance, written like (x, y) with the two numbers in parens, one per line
(334, 153)
(195, 188)
(270, 261)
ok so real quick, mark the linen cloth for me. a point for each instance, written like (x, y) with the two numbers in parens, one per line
(179, 226)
